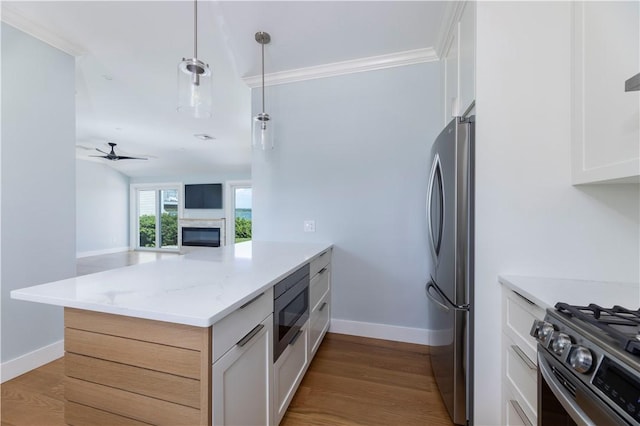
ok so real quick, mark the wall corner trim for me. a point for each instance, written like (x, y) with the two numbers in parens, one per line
(449, 26)
(30, 361)
(371, 63)
(396, 333)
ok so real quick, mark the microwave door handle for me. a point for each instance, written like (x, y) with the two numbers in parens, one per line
(563, 396)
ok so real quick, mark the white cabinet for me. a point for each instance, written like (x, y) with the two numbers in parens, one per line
(319, 300)
(459, 61)
(519, 361)
(241, 380)
(242, 371)
(288, 371)
(605, 118)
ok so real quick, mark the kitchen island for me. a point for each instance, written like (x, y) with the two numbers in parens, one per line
(185, 340)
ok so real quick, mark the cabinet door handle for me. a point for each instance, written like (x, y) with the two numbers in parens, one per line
(322, 271)
(324, 305)
(523, 298)
(295, 338)
(251, 301)
(516, 406)
(524, 357)
(250, 335)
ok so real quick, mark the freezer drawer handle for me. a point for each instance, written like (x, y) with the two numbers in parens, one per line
(431, 285)
(432, 297)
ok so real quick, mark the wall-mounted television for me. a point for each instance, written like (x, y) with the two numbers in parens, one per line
(203, 196)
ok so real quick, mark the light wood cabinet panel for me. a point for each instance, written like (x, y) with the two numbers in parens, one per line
(129, 404)
(169, 359)
(165, 333)
(121, 374)
(81, 415)
(143, 381)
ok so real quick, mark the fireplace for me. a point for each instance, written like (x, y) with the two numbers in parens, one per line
(201, 237)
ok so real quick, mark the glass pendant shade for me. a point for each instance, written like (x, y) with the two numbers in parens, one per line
(262, 132)
(194, 88)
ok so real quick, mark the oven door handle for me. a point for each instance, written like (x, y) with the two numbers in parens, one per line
(563, 396)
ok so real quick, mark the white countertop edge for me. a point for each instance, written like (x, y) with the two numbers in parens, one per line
(197, 321)
(546, 292)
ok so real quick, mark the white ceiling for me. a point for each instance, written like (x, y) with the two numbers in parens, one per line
(127, 54)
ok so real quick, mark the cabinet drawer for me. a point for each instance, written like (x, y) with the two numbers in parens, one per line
(319, 286)
(229, 330)
(518, 316)
(520, 377)
(319, 262)
(319, 322)
(513, 414)
(289, 370)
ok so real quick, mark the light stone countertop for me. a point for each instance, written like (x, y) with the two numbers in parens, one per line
(198, 288)
(546, 292)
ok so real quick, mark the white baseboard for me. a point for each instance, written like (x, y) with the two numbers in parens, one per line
(421, 336)
(27, 362)
(99, 252)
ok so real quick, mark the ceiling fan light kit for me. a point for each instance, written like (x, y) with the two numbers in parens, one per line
(262, 124)
(194, 80)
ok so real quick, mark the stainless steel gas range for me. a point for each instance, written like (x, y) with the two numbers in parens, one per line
(588, 366)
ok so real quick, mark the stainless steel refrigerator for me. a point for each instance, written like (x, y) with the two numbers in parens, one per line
(450, 207)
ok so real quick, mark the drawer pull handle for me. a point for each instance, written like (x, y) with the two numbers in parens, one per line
(322, 271)
(524, 298)
(323, 253)
(295, 338)
(250, 335)
(524, 357)
(251, 301)
(324, 305)
(516, 406)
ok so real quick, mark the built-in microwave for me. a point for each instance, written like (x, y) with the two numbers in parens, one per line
(290, 309)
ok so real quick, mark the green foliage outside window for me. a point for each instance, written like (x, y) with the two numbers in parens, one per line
(169, 229)
(243, 229)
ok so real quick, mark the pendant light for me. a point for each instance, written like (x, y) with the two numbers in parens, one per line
(194, 79)
(262, 123)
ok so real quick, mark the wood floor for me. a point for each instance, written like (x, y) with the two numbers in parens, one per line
(351, 381)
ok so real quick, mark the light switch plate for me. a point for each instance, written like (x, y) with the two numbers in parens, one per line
(309, 226)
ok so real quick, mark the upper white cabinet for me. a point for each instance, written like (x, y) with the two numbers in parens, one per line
(459, 58)
(606, 119)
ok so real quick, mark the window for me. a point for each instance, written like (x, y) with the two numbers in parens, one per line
(155, 212)
(239, 208)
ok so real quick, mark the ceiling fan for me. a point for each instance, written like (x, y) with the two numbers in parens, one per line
(112, 156)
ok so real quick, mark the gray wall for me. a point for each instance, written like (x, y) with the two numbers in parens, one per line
(102, 208)
(38, 188)
(351, 152)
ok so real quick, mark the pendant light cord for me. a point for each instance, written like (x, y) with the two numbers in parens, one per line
(195, 29)
(262, 77)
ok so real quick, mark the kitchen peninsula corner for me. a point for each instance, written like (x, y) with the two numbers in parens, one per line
(187, 340)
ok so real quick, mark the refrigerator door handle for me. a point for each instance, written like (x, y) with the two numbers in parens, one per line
(431, 285)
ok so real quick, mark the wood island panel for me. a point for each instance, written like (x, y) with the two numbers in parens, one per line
(140, 371)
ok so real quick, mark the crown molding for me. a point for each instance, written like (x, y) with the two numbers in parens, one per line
(372, 63)
(449, 26)
(16, 20)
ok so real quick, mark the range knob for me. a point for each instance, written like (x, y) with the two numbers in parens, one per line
(581, 359)
(560, 342)
(542, 330)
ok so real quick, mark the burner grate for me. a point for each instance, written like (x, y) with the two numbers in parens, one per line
(605, 318)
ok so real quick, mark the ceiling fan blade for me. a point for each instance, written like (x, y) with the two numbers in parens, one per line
(100, 156)
(99, 150)
(131, 158)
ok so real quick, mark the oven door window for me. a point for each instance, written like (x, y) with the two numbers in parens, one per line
(289, 315)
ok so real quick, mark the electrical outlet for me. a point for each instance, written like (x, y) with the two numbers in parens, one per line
(309, 226)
